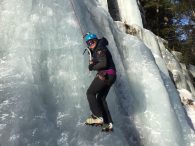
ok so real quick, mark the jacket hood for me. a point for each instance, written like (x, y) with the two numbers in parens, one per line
(103, 42)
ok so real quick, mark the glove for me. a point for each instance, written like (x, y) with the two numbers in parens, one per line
(90, 67)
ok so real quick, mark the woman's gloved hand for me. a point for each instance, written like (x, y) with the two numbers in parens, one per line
(90, 67)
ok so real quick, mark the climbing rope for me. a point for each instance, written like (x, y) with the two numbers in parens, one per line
(89, 52)
(77, 17)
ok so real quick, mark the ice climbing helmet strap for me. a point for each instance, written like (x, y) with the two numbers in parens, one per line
(89, 36)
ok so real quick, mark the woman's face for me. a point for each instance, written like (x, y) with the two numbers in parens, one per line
(92, 44)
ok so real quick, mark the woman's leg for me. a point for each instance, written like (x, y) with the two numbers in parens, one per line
(101, 98)
(96, 86)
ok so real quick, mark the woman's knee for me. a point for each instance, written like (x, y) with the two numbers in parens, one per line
(90, 92)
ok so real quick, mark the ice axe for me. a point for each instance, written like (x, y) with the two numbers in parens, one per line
(89, 52)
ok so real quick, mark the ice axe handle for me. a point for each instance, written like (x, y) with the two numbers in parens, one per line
(90, 56)
(84, 51)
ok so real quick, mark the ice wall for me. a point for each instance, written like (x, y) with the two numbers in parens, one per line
(126, 11)
(103, 3)
(167, 65)
(38, 77)
(167, 62)
(129, 12)
(44, 77)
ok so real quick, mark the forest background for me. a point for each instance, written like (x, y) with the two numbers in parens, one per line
(174, 21)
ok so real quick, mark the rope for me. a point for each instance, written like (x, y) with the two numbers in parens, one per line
(77, 17)
(71, 1)
(89, 52)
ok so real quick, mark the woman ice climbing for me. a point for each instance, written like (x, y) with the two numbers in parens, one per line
(103, 63)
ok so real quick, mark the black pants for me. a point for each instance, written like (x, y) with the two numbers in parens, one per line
(96, 95)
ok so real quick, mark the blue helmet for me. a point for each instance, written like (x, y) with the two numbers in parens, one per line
(90, 36)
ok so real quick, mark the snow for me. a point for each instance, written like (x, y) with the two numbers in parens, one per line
(44, 78)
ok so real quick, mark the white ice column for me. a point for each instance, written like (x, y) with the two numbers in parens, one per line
(129, 12)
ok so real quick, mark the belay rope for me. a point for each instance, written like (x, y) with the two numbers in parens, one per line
(76, 17)
(89, 52)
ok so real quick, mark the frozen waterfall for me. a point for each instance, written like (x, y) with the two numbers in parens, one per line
(44, 78)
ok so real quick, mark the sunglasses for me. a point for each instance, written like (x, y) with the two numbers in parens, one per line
(90, 42)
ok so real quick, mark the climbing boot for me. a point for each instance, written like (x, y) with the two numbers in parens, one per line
(107, 127)
(94, 121)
